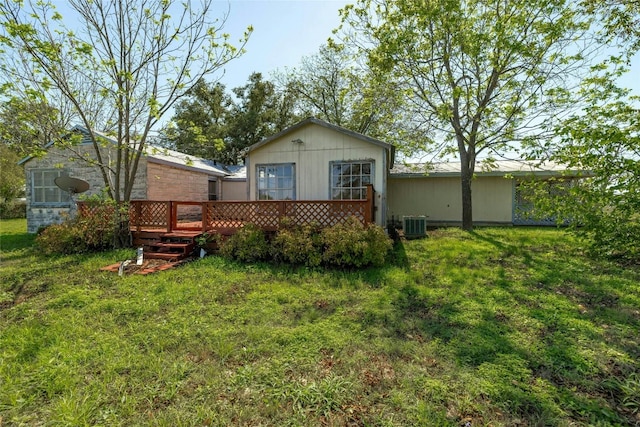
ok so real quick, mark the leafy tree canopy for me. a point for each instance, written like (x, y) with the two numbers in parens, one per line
(11, 175)
(604, 140)
(332, 86)
(26, 126)
(477, 76)
(213, 124)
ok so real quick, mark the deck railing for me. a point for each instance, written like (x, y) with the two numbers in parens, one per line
(227, 216)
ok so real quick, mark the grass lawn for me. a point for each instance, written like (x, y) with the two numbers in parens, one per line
(499, 327)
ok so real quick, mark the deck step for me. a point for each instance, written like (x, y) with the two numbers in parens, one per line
(173, 246)
(186, 235)
(168, 256)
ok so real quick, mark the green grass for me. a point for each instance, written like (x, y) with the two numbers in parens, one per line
(497, 327)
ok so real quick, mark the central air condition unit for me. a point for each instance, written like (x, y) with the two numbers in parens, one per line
(414, 226)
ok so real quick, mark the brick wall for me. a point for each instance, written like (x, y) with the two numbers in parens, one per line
(170, 183)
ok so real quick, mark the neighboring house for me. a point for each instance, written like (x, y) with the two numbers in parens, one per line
(434, 191)
(315, 160)
(162, 175)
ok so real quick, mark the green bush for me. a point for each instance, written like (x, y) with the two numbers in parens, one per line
(297, 244)
(65, 238)
(351, 244)
(348, 244)
(248, 244)
(13, 209)
(98, 230)
(615, 236)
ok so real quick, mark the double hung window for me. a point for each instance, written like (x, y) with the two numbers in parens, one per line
(276, 181)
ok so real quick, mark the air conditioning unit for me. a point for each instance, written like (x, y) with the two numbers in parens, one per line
(414, 226)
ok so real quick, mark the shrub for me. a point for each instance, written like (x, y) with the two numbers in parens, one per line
(65, 238)
(96, 230)
(348, 244)
(351, 244)
(615, 236)
(13, 209)
(248, 244)
(297, 244)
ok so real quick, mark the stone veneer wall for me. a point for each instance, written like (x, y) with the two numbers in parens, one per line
(38, 216)
(170, 183)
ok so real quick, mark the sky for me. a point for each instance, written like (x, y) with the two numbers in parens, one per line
(287, 30)
(283, 33)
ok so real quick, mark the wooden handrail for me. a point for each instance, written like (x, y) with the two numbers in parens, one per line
(148, 214)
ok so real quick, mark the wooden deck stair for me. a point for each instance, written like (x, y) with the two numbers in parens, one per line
(173, 246)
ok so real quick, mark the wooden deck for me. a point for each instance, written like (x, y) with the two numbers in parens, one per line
(156, 224)
(226, 217)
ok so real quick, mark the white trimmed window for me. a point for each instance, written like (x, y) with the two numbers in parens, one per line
(276, 181)
(44, 190)
(349, 180)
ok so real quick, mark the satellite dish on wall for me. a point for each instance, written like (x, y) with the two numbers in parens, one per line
(72, 185)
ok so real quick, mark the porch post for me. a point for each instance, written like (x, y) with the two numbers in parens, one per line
(282, 209)
(205, 209)
(138, 210)
(172, 212)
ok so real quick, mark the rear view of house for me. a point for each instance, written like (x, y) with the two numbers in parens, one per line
(310, 161)
(315, 160)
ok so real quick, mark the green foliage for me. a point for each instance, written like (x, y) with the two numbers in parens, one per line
(351, 244)
(201, 118)
(473, 81)
(297, 244)
(208, 241)
(332, 86)
(261, 111)
(604, 143)
(98, 230)
(27, 124)
(348, 244)
(11, 175)
(248, 244)
(64, 238)
(211, 123)
(13, 209)
(619, 21)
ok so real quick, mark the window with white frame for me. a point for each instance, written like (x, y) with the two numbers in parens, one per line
(276, 181)
(349, 179)
(44, 190)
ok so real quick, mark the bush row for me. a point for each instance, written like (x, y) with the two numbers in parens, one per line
(347, 244)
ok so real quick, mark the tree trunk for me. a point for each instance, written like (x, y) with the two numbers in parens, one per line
(466, 175)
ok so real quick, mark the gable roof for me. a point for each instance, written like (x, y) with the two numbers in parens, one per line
(483, 168)
(160, 155)
(312, 120)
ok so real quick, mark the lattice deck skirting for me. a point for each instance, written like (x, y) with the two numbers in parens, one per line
(227, 216)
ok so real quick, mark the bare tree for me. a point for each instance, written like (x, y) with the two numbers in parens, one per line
(121, 65)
